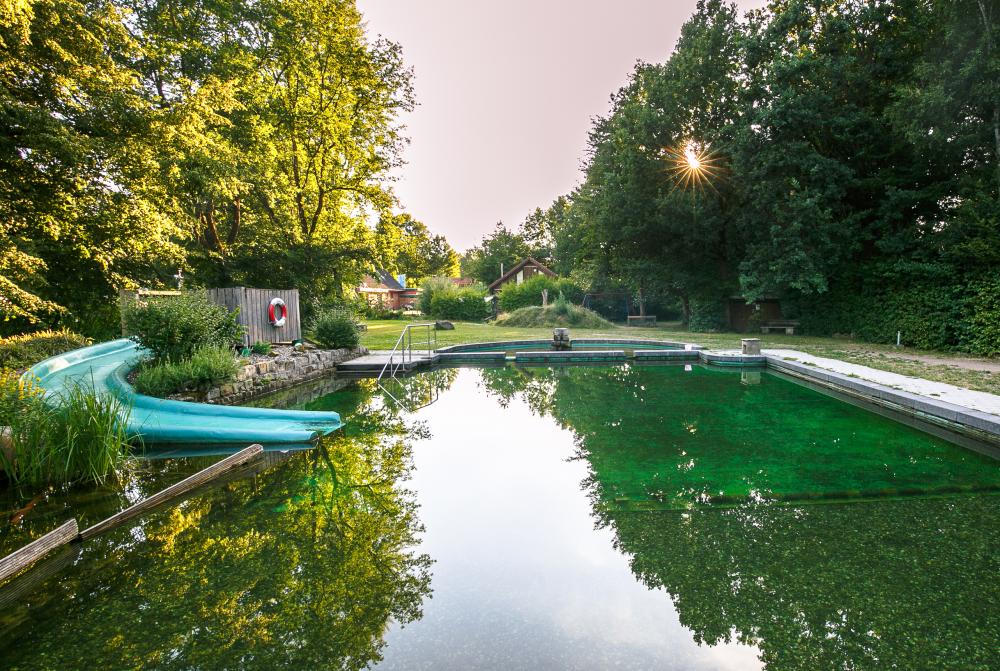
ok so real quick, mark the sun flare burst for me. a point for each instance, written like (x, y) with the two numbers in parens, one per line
(692, 165)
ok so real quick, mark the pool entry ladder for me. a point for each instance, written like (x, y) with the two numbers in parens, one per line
(401, 359)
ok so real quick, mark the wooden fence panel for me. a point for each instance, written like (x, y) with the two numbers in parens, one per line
(253, 305)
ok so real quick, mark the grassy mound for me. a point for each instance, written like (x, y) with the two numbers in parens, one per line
(560, 313)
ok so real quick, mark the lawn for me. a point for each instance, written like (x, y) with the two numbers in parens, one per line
(382, 334)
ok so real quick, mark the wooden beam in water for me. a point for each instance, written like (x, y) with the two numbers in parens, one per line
(19, 560)
(199, 478)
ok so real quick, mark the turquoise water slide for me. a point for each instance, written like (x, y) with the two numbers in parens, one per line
(154, 420)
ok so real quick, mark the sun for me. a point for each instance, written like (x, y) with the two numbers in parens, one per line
(692, 165)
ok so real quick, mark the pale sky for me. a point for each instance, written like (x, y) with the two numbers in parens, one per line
(506, 91)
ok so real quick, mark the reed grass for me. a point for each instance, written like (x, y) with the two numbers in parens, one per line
(75, 437)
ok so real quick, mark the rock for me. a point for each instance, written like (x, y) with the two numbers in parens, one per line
(212, 395)
(226, 390)
(444, 326)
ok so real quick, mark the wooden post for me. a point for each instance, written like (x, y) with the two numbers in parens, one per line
(16, 561)
(184, 485)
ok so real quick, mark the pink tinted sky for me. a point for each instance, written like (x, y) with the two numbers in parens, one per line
(505, 96)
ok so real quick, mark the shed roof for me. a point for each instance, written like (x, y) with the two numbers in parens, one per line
(513, 271)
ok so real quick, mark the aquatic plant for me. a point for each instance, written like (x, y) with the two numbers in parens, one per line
(80, 436)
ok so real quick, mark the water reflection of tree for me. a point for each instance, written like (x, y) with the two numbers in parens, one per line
(905, 584)
(892, 584)
(537, 386)
(304, 567)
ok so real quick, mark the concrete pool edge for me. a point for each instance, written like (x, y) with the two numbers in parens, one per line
(970, 421)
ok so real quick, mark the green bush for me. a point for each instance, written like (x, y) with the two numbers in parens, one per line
(263, 348)
(428, 288)
(707, 315)
(466, 304)
(378, 311)
(208, 367)
(23, 351)
(335, 330)
(529, 292)
(80, 438)
(984, 319)
(173, 327)
(560, 313)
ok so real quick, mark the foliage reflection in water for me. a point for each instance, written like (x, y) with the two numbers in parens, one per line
(577, 517)
(302, 566)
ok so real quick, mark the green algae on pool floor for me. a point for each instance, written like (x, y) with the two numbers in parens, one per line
(487, 531)
(681, 435)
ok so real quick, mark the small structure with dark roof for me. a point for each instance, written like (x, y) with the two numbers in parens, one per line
(381, 288)
(527, 268)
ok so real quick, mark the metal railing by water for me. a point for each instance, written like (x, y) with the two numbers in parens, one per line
(401, 355)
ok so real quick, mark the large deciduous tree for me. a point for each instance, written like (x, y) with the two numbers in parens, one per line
(81, 210)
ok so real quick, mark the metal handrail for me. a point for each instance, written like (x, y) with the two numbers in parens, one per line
(404, 346)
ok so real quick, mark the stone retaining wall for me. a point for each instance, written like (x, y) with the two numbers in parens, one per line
(267, 376)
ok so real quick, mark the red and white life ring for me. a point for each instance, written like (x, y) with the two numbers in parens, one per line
(277, 312)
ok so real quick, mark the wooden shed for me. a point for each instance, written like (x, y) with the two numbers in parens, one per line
(254, 315)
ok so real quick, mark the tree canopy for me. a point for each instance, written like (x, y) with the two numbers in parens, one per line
(246, 143)
(847, 155)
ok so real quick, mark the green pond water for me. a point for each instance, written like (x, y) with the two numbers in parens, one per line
(663, 517)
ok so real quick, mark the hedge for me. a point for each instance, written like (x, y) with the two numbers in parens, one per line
(956, 316)
(466, 304)
(514, 296)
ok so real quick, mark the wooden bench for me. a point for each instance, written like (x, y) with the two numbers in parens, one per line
(787, 326)
(641, 320)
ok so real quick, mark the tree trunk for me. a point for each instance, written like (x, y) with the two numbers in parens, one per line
(686, 306)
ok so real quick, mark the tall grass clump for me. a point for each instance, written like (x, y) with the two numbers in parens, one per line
(208, 367)
(80, 437)
(23, 351)
(561, 313)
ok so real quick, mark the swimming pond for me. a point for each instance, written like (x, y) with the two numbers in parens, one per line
(576, 517)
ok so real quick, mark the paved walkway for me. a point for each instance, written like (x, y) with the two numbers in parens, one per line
(975, 400)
